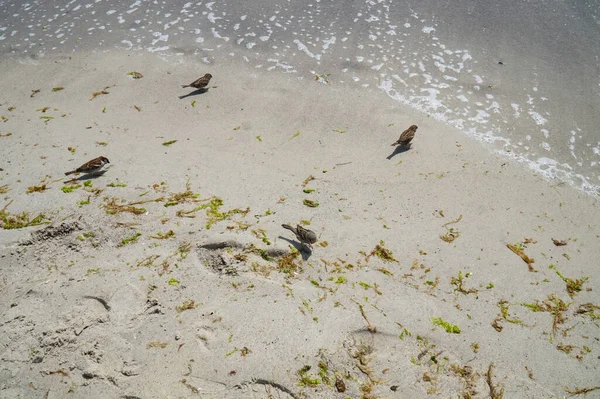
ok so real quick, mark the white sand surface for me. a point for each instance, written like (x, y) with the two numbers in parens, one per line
(97, 305)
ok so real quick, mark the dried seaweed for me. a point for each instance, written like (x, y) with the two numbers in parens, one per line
(519, 251)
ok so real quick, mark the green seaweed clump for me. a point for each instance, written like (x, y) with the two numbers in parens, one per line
(450, 328)
(18, 221)
(573, 286)
(70, 188)
(382, 253)
(130, 240)
(305, 378)
(187, 305)
(310, 203)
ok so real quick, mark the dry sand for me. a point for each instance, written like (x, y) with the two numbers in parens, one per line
(97, 305)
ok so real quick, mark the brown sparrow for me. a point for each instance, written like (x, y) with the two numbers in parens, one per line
(93, 166)
(406, 136)
(303, 235)
(200, 83)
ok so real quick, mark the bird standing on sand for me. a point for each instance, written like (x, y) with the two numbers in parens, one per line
(406, 136)
(303, 235)
(200, 83)
(93, 166)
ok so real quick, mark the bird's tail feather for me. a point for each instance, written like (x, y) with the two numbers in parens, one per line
(184, 86)
(287, 226)
(70, 173)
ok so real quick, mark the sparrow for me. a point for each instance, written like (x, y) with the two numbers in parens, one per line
(406, 136)
(93, 166)
(200, 83)
(303, 235)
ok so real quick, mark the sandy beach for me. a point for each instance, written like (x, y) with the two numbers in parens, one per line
(440, 271)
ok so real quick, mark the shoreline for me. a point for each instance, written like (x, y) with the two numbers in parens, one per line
(155, 305)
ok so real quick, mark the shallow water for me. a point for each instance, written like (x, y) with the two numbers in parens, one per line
(523, 77)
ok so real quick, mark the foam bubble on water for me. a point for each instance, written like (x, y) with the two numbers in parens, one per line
(217, 35)
(546, 133)
(538, 119)
(159, 37)
(157, 49)
(212, 18)
(302, 47)
(515, 107)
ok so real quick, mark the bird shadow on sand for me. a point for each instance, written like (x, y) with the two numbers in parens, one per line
(88, 176)
(304, 250)
(398, 150)
(194, 93)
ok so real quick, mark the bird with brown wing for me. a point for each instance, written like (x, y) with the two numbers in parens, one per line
(200, 83)
(305, 236)
(406, 136)
(91, 167)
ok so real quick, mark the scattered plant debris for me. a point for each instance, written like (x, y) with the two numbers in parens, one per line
(69, 188)
(450, 328)
(382, 253)
(130, 240)
(103, 91)
(287, 264)
(451, 233)
(112, 208)
(186, 196)
(305, 378)
(168, 143)
(36, 189)
(187, 305)
(135, 75)
(370, 327)
(156, 344)
(504, 305)
(559, 243)
(308, 180)
(55, 89)
(322, 78)
(573, 286)
(553, 305)
(161, 236)
(579, 391)
(458, 281)
(113, 184)
(310, 203)
(518, 249)
(495, 391)
(9, 221)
